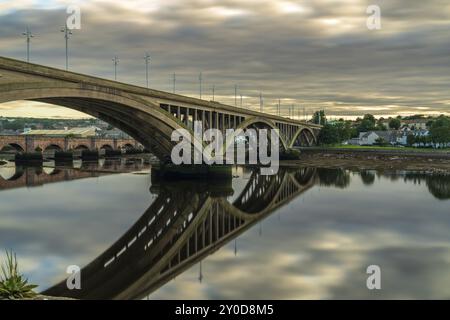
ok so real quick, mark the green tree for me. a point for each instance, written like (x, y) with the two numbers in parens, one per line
(319, 117)
(367, 123)
(394, 124)
(380, 141)
(440, 130)
(344, 130)
(328, 135)
(410, 140)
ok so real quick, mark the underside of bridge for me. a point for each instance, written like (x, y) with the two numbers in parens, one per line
(149, 116)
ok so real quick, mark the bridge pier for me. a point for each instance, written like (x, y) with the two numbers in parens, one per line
(192, 171)
(33, 158)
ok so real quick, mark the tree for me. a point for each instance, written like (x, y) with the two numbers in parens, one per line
(380, 126)
(344, 130)
(328, 135)
(380, 141)
(367, 123)
(394, 123)
(410, 140)
(440, 130)
(319, 117)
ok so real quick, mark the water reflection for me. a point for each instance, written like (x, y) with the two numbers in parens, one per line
(16, 176)
(330, 225)
(180, 229)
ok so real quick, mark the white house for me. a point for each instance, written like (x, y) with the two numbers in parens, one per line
(370, 138)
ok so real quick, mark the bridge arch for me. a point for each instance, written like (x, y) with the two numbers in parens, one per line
(304, 137)
(255, 123)
(81, 147)
(127, 146)
(106, 147)
(12, 147)
(140, 118)
(51, 147)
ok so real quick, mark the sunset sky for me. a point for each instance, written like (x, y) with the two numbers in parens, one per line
(310, 53)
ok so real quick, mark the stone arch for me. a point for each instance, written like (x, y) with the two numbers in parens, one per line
(140, 118)
(106, 147)
(81, 147)
(127, 146)
(12, 148)
(51, 146)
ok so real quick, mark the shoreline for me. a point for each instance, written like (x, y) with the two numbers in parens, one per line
(372, 159)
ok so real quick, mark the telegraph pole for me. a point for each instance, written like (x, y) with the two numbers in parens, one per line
(116, 62)
(29, 35)
(279, 104)
(147, 61)
(241, 100)
(213, 92)
(67, 33)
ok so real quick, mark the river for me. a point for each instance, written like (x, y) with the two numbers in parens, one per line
(305, 233)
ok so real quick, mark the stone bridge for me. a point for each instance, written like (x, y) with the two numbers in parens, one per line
(149, 116)
(29, 143)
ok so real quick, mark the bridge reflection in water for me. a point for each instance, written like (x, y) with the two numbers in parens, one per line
(16, 176)
(180, 229)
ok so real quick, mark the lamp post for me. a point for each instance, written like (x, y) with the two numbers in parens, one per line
(174, 81)
(67, 33)
(29, 35)
(200, 84)
(260, 102)
(147, 62)
(116, 62)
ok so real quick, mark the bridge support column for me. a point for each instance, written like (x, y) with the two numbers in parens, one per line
(192, 171)
(92, 144)
(29, 144)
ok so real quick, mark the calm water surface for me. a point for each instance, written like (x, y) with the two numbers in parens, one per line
(306, 233)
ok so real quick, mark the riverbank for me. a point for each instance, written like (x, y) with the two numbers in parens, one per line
(372, 158)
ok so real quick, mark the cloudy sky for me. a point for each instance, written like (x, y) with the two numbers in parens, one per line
(313, 54)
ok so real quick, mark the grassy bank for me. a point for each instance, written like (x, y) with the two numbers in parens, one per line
(381, 148)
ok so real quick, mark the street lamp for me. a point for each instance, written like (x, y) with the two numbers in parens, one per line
(29, 35)
(261, 102)
(200, 83)
(67, 33)
(116, 62)
(174, 81)
(147, 61)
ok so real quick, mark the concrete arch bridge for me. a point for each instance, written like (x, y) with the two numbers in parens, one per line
(149, 116)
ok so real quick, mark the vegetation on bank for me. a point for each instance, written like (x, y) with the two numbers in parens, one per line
(392, 148)
(13, 285)
(336, 132)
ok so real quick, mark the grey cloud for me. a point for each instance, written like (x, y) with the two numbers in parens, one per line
(291, 56)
